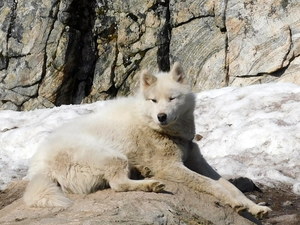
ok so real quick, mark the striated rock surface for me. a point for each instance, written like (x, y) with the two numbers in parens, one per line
(263, 39)
(55, 52)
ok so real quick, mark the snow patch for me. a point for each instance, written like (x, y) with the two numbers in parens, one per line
(252, 132)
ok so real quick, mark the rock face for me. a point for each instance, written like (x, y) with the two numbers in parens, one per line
(74, 51)
(179, 206)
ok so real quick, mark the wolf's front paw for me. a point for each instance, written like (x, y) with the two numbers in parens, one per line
(157, 186)
(237, 205)
(259, 211)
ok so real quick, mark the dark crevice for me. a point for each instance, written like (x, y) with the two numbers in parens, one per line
(81, 54)
(13, 16)
(226, 63)
(290, 48)
(4, 58)
(133, 17)
(19, 56)
(251, 76)
(278, 73)
(24, 86)
(223, 29)
(164, 39)
(111, 92)
(220, 15)
(3, 62)
(191, 19)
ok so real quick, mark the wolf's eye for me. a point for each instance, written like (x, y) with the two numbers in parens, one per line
(153, 100)
(172, 98)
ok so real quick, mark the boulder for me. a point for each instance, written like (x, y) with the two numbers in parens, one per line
(76, 51)
(178, 205)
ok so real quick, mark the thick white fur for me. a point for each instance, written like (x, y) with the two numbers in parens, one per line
(99, 150)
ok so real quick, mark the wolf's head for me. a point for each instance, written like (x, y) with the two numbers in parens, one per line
(167, 97)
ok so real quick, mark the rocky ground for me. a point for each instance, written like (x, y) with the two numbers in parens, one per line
(177, 206)
(284, 203)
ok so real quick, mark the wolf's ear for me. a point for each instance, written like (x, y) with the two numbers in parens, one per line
(177, 73)
(147, 79)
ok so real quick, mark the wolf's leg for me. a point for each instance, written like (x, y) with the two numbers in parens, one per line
(252, 207)
(43, 192)
(179, 173)
(117, 176)
(197, 163)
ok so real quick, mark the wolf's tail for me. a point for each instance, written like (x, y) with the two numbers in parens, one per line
(42, 192)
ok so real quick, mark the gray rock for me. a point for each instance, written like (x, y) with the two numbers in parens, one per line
(199, 46)
(292, 219)
(72, 51)
(179, 205)
(287, 203)
(263, 37)
(184, 11)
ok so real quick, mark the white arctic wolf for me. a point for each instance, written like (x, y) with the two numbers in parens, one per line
(152, 131)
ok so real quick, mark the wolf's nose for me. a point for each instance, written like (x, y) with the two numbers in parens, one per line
(162, 117)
